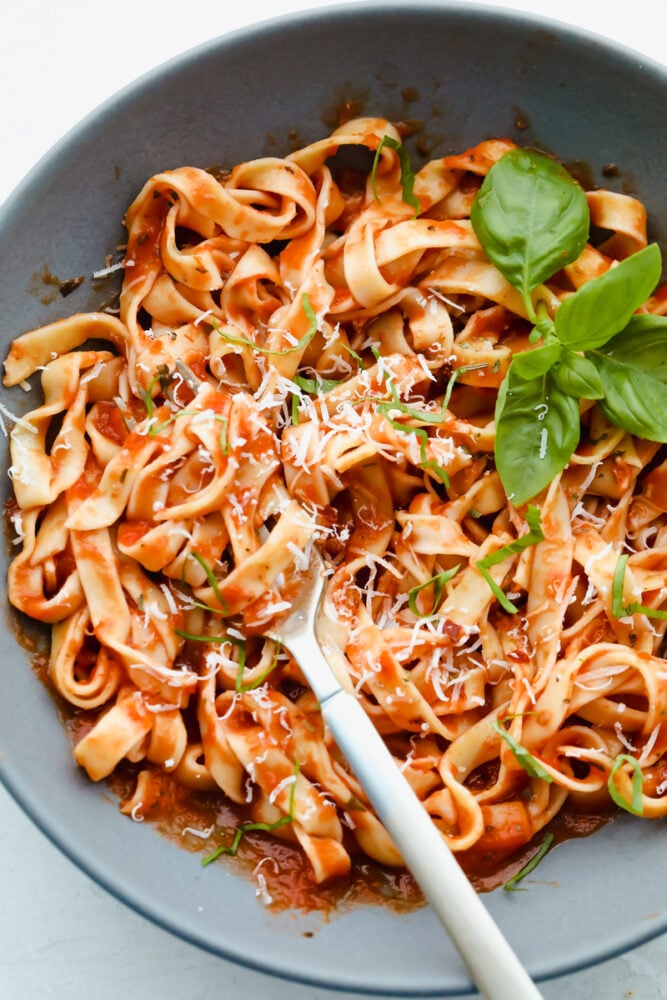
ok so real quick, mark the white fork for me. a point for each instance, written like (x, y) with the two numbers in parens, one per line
(493, 966)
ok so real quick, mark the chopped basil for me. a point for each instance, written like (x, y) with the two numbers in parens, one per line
(530, 764)
(315, 386)
(635, 806)
(299, 346)
(438, 581)
(532, 537)
(240, 686)
(425, 416)
(618, 608)
(511, 884)
(211, 579)
(247, 827)
(407, 178)
(202, 638)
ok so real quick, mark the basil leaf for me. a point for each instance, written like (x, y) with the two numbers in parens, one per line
(532, 364)
(511, 884)
(633, 370)
(643, 343)
(530, 764)
(537, 429)
(577, 376)
(603, 306)
(636, 806)
(531, 217)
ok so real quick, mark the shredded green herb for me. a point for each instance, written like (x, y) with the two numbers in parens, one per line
(438, 582)
(314, 386)
(240, 686)
(618, 608)
(407, 178)
(425, 416)
(232, 848)
(511, 884)
(528, 762)
(299, 346)
(225, 446)
(635, 806)
(158, 428)
(202, 638)
(294, 409)
(211, 579)
(357, 357)
(533, 536)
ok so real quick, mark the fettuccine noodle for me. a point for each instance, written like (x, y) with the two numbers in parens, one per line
(169, 488)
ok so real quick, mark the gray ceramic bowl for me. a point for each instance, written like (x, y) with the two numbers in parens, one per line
(475, 72)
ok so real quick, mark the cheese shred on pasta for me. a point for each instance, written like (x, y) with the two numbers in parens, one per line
(280, 375)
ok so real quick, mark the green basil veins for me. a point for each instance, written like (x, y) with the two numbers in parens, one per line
(532, 219)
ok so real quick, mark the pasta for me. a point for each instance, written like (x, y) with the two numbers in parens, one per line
(308, 353)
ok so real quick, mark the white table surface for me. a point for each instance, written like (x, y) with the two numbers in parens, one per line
(61, 936)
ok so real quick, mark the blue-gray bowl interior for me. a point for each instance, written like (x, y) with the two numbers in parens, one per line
(464, 73)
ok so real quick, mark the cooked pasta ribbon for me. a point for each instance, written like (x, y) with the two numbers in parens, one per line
(309, 355)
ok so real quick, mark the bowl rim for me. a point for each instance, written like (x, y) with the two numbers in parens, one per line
(252, 34)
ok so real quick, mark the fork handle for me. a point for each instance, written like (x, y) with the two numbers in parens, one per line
(493, 965)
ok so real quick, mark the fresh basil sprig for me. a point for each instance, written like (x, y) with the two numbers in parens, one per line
(531, 218)
(633, 370)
